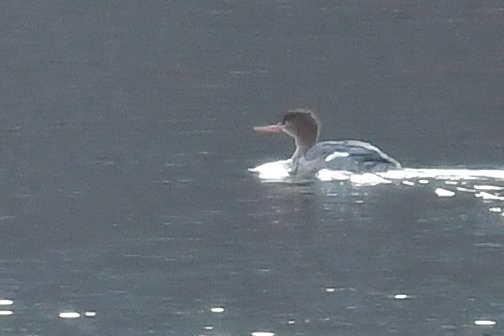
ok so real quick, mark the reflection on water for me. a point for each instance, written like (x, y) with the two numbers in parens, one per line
(353, 204)
(5, 302)
(279, 171)
(69, 315)
(486, 184)
(435, 226)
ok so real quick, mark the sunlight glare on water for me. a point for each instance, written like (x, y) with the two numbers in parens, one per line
(444, 193)
(217, 310)
(401, 296)
(279, 170)
(273, 171)
(263, 333)
(485, 323)
(69, 315)
(485, 184)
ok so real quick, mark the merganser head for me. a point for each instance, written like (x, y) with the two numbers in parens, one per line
(301, 124)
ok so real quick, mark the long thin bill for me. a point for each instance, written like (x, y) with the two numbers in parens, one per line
(269, 129)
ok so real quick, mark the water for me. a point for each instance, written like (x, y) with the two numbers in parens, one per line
(126, 138)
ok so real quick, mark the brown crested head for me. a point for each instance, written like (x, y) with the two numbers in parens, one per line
(303, 125)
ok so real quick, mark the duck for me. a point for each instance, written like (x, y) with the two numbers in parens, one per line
(311, 156)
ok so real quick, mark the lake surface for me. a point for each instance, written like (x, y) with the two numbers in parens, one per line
(127, 206)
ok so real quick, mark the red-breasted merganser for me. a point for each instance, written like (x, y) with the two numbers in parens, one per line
(311, 156)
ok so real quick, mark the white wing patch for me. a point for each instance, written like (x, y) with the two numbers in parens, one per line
(336, 155)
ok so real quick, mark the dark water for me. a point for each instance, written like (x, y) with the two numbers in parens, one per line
(125, 138)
